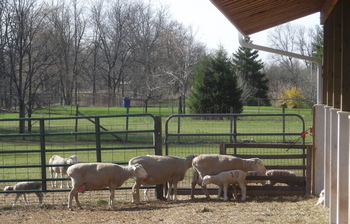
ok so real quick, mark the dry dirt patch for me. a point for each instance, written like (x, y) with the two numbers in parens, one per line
(254, 210)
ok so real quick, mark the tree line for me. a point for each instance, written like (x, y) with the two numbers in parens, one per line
(52, 51)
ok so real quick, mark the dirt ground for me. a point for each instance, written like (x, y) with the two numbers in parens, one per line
(297, 209)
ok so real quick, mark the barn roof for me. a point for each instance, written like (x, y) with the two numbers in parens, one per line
(251, 16)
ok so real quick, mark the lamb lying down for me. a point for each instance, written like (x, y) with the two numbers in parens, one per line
(286, 174)
(22, 186)
(224, 179)
(96, 176)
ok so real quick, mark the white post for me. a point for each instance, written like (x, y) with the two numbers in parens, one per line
(327, 155)
(343, 167)
(318, 132)
(333, 164)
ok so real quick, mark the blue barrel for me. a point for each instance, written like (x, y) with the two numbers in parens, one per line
(126, 102)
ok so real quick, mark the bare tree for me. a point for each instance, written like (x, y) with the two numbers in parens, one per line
(183, 53)
(113, 26)
(68, 25)
(148, 76)
(25, 57)
(299, 73)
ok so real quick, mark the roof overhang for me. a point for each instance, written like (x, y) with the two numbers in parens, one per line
(252, 16)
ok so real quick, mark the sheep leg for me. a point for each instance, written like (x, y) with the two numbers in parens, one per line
(16, 198)
(40, 195)
(169, 191)
(195, 180)
(193, 184)
(234, 191)
(219, 191)
(225, 192)
(51, 175)
(205, 190)
(55, 181)
(73, 193)
(145, 194)
(61, 173)
(111, 197)
(175, 192)
(244, 191)
(136, 193)
(25, 198)
(68, 184)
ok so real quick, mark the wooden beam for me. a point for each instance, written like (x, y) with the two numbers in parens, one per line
(327, 9)
(330, 59)
(345, 74)
(337, 53)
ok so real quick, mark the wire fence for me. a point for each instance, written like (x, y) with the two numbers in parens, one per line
(118, 138)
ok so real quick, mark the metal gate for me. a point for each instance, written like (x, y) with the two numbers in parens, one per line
(110, 138)
(278, 139)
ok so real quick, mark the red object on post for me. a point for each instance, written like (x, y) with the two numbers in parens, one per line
(303, 134)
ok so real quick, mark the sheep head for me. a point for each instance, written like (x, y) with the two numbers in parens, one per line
(139, 171)
(8, 188)
(206, 180)
(257, 165)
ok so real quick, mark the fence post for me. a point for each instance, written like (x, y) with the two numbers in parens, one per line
(158, 150)
(43, 154)
(98, 139)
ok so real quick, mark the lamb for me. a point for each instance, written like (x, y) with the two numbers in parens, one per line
(23, 186)
(321, 198)
(255, 174)
(211, 164)
(161, 169)
(58, 160)
(96, 176)
(284, 173)
(224, 179)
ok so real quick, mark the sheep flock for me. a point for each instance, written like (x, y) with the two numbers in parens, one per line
(150, 170)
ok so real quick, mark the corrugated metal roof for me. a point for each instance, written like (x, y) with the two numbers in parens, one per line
(251, 16)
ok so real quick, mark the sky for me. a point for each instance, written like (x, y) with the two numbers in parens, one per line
(214, 29)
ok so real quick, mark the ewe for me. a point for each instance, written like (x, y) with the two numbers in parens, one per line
(161, 169)
(211, 164)
(96, 176)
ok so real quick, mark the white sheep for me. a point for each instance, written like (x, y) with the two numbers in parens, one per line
(23, 186)
(96, 176)
(58, 160)
(320, 200)
(211, 164)
(285, 174)
(161, 169)
(224, 179)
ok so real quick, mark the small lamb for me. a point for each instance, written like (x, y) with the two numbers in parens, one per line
(96, 176)
(22, 186)
(224, 179)
(57, 160)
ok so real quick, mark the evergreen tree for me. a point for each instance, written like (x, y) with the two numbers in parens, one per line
(317, 43)
(251, 79)
(215, 86)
